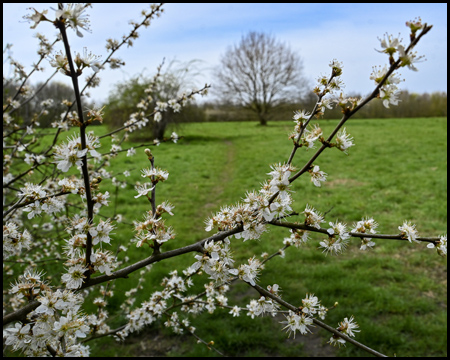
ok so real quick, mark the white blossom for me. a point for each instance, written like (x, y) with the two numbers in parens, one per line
(409, 231)
(295, 322)
(317, 176)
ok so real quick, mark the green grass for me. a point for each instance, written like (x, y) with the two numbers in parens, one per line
(398, 292)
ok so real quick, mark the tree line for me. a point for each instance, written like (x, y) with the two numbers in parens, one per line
(410, 105)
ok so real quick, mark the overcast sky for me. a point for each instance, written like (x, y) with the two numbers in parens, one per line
(184, 32)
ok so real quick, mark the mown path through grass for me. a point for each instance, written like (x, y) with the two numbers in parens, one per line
(225, 176)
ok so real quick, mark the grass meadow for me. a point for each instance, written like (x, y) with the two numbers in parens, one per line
(397, 292)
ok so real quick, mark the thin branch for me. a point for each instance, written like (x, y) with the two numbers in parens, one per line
(90, 204)
(336, 332)
(353, 234)
(21, 314)
(196, 247)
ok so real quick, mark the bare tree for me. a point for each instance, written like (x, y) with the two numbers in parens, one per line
(259, 73)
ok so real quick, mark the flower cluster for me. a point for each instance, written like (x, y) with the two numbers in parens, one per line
(248, 272)
(216, 261)
(367, 225)
(347, 327)
(75, 249)
(297, 322)
(256, 209)
(71, 153)
(343, 141)
(152, 231)
(155, 175)
(313, 217)
(311, 135)
(100, 233)
(310, 305)
(261, 306)
(337, 239)
(408, 231)
(317, 176)
(280, 180)
(391, 45)
(297, 238)
(103, 261)
(74, 17)
(58, 316)
(334, 83)
(14, 240)
(389, 92)
(37, 200)
(441, 245)
(87, 60)
(149, 311)
(29, 285)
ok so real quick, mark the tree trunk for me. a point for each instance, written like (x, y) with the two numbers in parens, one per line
(159, 128)
(262, 119)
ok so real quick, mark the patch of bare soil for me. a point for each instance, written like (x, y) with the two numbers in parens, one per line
(152, 343)
(343, 182)
(314, 344)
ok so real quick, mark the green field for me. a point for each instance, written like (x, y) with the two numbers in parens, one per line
(397, 292)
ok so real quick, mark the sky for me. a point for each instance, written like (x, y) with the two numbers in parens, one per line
(318, 32)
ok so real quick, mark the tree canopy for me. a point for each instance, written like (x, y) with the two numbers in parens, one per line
(259, 73)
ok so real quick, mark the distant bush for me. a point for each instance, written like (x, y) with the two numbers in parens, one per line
(121, 103)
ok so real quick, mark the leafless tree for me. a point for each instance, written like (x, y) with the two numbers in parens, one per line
(259, 73)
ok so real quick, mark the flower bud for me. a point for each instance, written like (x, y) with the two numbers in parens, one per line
(149, 153)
